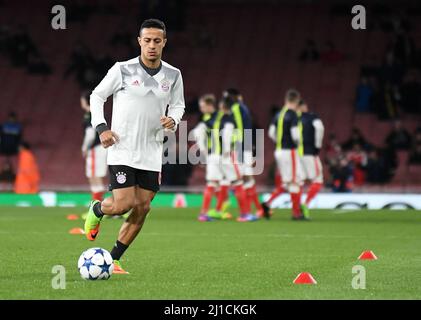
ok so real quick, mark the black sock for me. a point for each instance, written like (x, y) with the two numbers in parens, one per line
(97, 210)
(118, 250)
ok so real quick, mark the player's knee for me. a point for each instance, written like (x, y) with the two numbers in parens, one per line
(146, 207)
(143, 207)
(137, 216)
(120, 208)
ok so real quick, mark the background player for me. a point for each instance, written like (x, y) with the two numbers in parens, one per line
(221, 164)
(208, 108)
(311, 132)
(284, 132)
(279, 189)
(142, 88)
(244, 125)
(93, 152)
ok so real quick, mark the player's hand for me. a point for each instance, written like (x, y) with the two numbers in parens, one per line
(108, 138)
(167, 122)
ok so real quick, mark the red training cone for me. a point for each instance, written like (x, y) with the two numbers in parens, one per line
(367, 255)
(180, 201)
(72, 217)
(76, 231)
(304, 278)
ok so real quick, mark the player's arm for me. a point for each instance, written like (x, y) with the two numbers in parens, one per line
(295, 131)
(109, 85)
(246, 117)
(200, 136)
(88, 139)
(319, 133)
(176, 106)
(272, 128)
(272, 132)
(227, 134)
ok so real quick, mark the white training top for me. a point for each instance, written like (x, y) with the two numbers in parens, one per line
(139, 100)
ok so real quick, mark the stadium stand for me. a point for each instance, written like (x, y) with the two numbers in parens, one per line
(256, 52)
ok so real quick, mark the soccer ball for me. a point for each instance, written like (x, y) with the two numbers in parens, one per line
(95, 263)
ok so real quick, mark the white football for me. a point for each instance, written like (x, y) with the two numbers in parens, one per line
(95, 263)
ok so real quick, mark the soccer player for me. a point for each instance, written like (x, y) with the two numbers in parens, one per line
(279, 189)
(221, 162)
(311, 130)
(142, 88)
(243, 121)
(285, 133)
(202, 133)
(93, 152)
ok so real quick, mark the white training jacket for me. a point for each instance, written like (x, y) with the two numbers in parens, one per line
(139, 100)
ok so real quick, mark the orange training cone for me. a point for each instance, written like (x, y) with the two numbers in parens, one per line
(304, 278)
(76, 231)
(72, 217)
(367, 255)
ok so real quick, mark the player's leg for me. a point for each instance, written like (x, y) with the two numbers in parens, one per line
(95, 170)
(213, 174)
(122, 178)
(147, 185)
(118, 204)
(266, 206)
(299, 179)
(207, 198)
(225, 200)
(231, 171)
(243, 203)
(279, 189)
(92, 173)
(134, 222)
(308, 175)
(314, 166)
(122, 181)
(99, 172)
(121, 201)
(221, 199)
(250, 182)
(97, 188)
(224, 186)
(289, 165)
(132, 226)
(252, 195)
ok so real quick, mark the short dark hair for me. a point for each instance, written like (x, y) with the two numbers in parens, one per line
(301, 102)
(153, 23)
(292, 95)
(232, 93)
(208, 99)
(227, 102)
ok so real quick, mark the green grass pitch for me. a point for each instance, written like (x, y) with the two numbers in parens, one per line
(176, 257)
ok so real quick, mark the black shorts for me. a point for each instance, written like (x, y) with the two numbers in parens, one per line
(124, 176)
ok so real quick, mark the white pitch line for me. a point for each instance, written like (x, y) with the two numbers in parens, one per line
(340, 211)
(238, 235)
